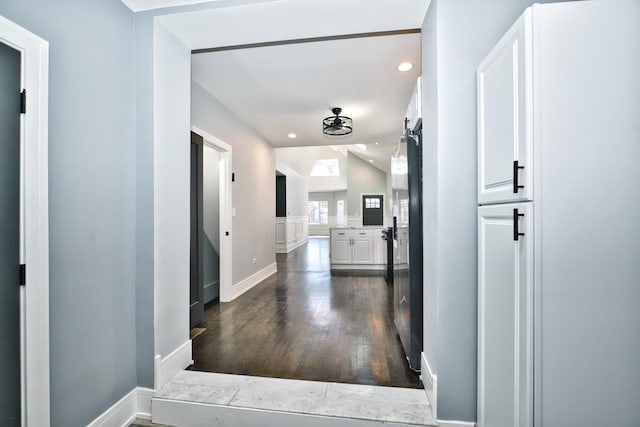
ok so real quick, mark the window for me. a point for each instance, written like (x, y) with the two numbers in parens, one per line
(340, 212)
(326, 167)
(372, 203)
(318, 212)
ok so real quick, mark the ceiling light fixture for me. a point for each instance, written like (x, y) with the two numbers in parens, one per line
(405, 66)
(292, 135)
(337, 125)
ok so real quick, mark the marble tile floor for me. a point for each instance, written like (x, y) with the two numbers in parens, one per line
(386, 404)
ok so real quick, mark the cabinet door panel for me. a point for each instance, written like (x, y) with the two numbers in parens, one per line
(504, 119)
(362, 250)
(340, 250)
(505, 301)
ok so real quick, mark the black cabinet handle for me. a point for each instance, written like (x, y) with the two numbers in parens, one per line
(516, 168)
(516, 220)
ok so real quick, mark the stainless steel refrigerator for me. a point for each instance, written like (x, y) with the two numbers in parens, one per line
(406, 170)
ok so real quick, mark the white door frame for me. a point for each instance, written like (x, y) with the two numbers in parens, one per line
(226, 256)
(34, 222)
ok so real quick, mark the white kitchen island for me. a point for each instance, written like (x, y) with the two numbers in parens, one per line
(357, 248)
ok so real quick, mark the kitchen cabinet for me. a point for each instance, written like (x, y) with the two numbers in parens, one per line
(558, 235)
(505, 320)
(504, 118)
(357, 248)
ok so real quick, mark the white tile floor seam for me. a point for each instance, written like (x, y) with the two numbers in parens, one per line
(387, 404)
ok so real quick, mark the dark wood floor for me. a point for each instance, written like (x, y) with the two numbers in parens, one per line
(304, 323)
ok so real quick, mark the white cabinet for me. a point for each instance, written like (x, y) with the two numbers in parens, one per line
(505, 315)
(504, 118)
(341, 250)
(356, 248)
(362, 250)
(558, 307)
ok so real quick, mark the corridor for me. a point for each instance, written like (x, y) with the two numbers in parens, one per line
(305, 323)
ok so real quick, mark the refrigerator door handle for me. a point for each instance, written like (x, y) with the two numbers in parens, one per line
(516, 168)
(516, 220)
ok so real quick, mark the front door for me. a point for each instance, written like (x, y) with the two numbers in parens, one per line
(9, 236)
(372, 210)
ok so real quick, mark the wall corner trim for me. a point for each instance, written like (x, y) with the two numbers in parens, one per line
(430, 381)
(244, 285)
(135, 404)
(168, 367)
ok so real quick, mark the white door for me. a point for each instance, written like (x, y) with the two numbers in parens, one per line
(505, 315)
(340, 250)
(504, 118)
(362, 250)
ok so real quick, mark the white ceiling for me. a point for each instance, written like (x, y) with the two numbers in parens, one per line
(285, 89)
(290, 88)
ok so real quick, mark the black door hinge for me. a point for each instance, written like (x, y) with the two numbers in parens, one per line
(23, 274)
(233, 177)
(23, 101)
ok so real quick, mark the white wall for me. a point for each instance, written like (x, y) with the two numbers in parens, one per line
(172, 65)
(254, 187)
(297, 191)
(362, 178)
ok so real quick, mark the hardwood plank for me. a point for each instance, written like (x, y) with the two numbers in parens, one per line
(304, 323)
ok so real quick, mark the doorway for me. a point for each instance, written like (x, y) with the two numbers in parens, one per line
(372, 209)
(223, 153)
(196, 259)
(24, 198)
(10, 236)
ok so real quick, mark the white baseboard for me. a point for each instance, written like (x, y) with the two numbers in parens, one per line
(244, 285)
(430, 382)
(135, 404)
(282, 248)
(143, 399)
(376, 267)
(448, 423)
(168, 367)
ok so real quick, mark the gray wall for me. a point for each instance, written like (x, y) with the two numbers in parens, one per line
(91, 201)
(454, 42)
(362, 178)
(211, 219)
(254, 196)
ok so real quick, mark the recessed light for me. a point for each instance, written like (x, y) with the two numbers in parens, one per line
(405, 66)
(370, 161)
(377, 143)
(292, 135)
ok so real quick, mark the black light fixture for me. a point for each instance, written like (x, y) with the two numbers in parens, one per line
(337, 125)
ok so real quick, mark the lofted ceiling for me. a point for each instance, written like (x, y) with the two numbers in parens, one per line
(290, 88)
